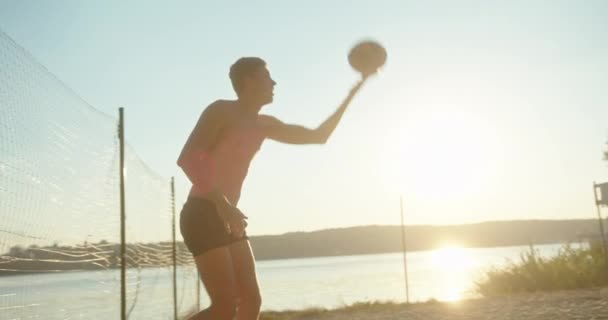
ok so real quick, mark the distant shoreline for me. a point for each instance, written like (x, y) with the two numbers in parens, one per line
(42, 272)
(350, 241)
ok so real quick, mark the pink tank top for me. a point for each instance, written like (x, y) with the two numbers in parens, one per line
(232, 156)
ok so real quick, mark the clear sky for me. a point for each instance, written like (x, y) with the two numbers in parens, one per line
(486, 110)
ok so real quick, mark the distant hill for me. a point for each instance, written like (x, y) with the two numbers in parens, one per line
(382, 239)
(330, 242)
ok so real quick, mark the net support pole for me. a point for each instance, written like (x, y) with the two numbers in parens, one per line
(403, 244)
(198, 291)
(174, 248)
(123, 246)
(601, 224)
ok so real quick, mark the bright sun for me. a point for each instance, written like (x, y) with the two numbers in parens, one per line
(444, 156)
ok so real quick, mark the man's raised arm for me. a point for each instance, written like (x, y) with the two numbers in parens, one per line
(296, 134)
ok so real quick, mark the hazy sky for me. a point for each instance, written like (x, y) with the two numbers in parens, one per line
(486, 110)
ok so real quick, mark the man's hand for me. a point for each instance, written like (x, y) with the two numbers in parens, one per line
(234, 220)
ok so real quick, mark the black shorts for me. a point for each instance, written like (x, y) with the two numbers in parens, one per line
(202, 227)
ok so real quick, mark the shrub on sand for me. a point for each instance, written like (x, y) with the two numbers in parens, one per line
(572, 268)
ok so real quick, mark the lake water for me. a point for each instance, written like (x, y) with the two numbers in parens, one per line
(444, 274)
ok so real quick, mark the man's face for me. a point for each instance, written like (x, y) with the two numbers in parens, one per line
(262, 86)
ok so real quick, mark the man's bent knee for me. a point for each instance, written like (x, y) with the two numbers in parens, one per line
(251, 303)
(224, 308)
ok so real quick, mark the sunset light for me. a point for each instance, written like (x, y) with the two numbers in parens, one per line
(387, 160)
(455, 265)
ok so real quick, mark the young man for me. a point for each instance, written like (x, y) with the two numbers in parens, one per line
(216, 158)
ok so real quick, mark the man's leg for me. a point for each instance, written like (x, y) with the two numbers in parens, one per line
(216, 269)
(248, 291)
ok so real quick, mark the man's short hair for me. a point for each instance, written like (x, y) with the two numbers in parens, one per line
(244, 67)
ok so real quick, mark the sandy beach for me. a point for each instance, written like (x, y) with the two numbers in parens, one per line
(572, 304)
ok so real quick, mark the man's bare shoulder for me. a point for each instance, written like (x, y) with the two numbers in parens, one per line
(219, 106)
(219, 109)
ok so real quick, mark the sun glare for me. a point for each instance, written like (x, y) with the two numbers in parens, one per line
(447, 146)
(455, 257)
(444, 156)
(454, 264)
